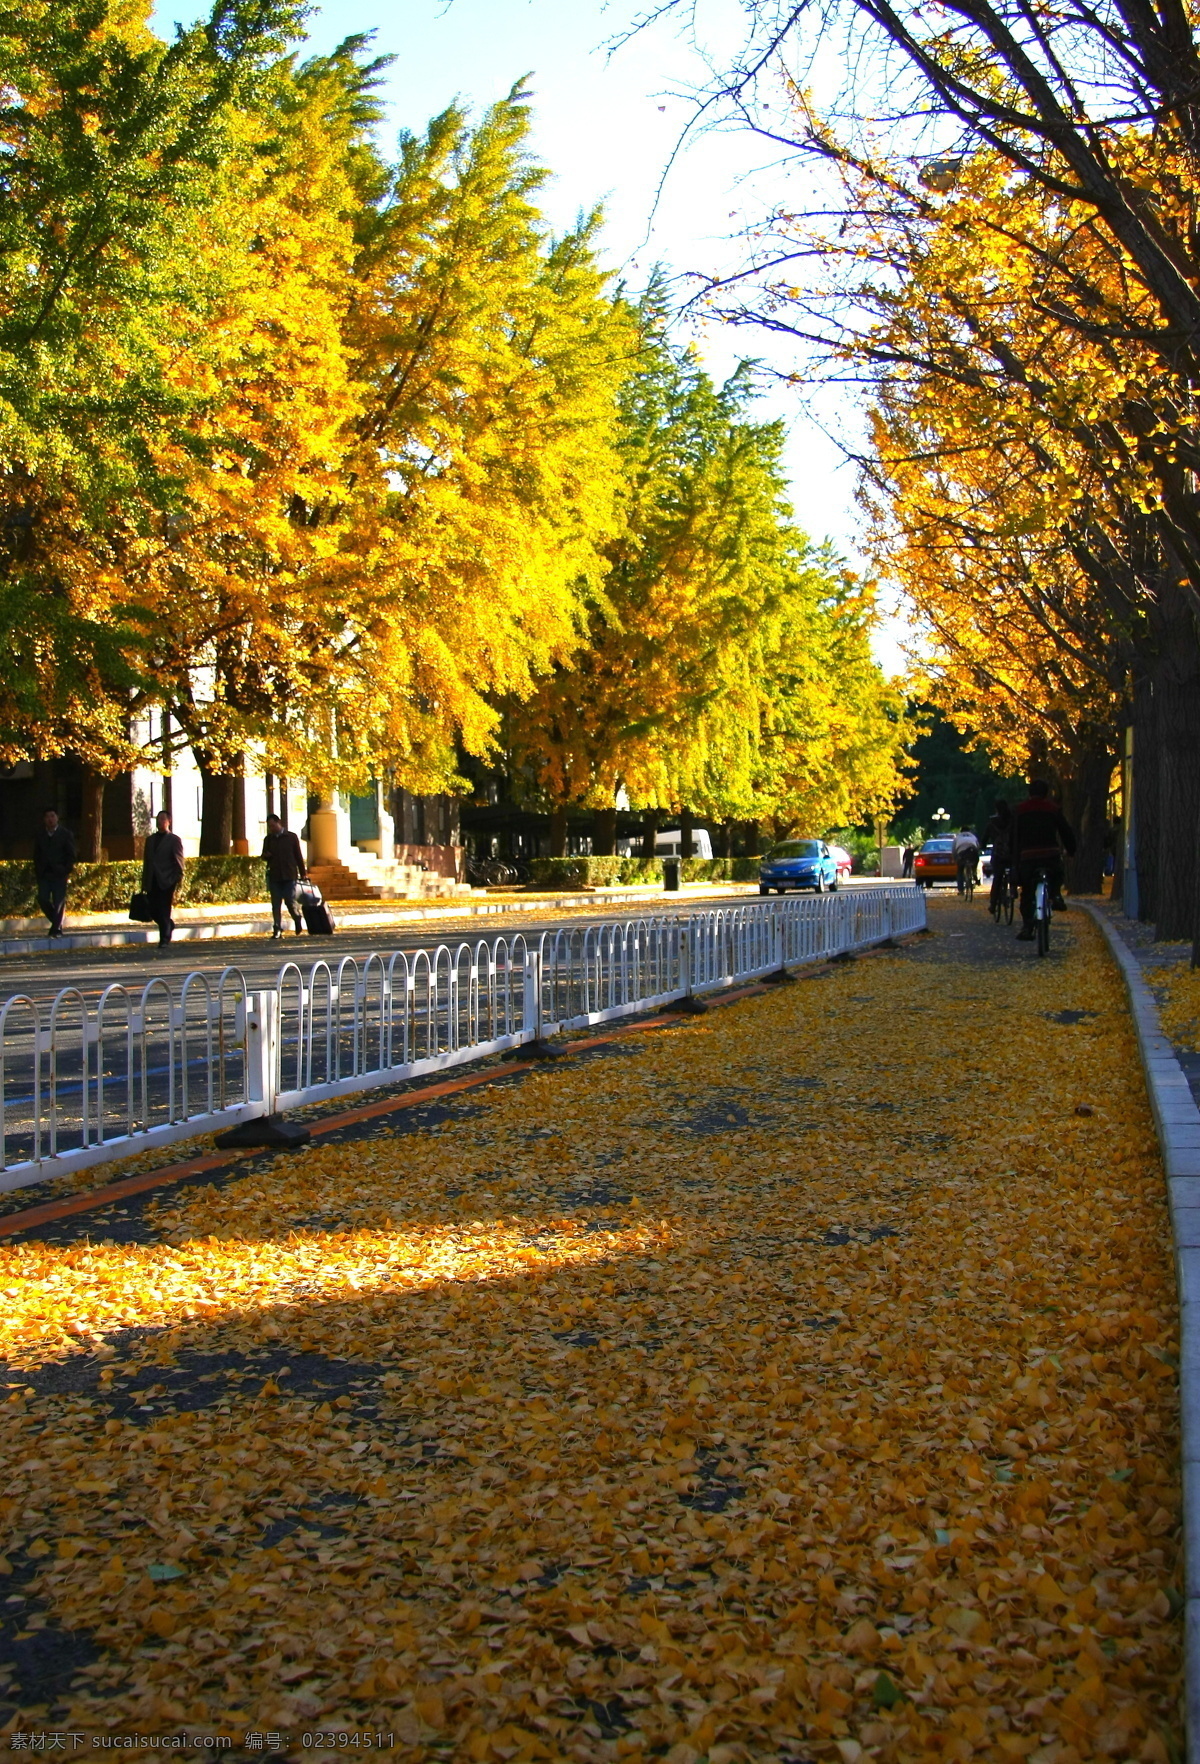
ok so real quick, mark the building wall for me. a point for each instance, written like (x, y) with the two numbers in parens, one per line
(426, 827)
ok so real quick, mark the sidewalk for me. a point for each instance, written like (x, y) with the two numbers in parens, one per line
(786, 1384)
(253, 919)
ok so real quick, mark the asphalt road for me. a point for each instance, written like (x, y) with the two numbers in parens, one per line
(259, 959)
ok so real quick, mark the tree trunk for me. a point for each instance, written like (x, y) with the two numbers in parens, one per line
(649, 832)
(604, 832)
(558, 832)
(1177, 696)
(685, 833)
(1086, 807)
(726, 839)
(1145, 792)
(238, 816)
(91, 818)
(1119, 831)
(752, 838)
(168, 757)
(216, 811)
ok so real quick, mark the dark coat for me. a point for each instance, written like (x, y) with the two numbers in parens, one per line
(283, 857)
(53, 854)
(1038, 828)
(162, 862)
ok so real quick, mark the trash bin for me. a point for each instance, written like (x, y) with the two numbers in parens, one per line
(671, 874)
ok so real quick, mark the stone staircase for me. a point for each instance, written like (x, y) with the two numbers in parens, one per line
(361, 875)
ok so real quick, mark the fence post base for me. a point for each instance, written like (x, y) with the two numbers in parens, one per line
(264, 1130)
(268, 1128)
(688, 1006)
(535, 1050)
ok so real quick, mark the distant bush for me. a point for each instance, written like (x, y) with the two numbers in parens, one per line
(106, 888)
(594, 872)
(739, 869)
(615, 872)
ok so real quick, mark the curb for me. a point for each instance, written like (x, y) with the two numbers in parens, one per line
(1177, 1124)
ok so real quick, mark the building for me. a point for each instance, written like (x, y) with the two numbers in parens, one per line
(387, 840)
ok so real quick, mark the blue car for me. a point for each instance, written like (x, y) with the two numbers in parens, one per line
(798, 863)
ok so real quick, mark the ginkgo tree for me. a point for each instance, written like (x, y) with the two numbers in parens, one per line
(719, 675)
(113, 143)
(1053, 152)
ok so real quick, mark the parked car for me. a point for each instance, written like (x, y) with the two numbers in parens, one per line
(935, 862)
(987, 863)
(843, 860)
(798, 863)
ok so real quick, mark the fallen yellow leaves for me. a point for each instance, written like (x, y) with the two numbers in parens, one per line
(796, 1383)
(1177, 989)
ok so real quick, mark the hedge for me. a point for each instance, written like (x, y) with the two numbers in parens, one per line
(612, 872)
(106, 888)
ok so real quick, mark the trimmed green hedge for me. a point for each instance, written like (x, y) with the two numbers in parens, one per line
(106, 888)
(614, 872)
(743, 869)
(594, 872)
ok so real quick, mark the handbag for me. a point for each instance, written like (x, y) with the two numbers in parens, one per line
(139, 908)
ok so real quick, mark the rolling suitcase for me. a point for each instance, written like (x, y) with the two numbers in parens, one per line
(317, 917)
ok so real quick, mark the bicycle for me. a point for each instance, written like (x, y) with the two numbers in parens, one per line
(1003, 897)
(966, 881)
(489, 873)
(1043, 909)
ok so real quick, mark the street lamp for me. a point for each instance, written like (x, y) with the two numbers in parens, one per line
(940, 815)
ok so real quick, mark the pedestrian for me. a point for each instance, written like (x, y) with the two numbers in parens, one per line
(285, 868)
(53, 861)
(908, 860)
(162, 872)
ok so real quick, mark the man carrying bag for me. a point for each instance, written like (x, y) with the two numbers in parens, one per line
(162, 872)
(285, 868)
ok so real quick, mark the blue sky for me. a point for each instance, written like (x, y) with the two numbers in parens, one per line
(605, 125)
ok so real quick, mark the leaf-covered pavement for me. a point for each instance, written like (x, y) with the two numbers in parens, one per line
(795, 1383)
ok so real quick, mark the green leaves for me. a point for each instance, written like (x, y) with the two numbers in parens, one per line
(885, 1693)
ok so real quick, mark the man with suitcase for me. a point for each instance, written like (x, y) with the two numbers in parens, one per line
(285, 869)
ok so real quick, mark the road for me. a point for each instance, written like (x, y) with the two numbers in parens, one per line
(258, 958)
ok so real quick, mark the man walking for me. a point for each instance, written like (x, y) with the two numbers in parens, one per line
(53, 861)
(162, 872)
(285, 867)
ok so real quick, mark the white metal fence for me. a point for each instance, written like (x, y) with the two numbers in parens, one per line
(85, 1080)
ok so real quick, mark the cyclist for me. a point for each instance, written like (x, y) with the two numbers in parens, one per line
(998, 834)
(1040, 834)
(966, 854)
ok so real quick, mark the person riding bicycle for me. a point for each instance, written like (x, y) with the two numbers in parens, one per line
(966, 854)
(1040, 834)
(998, 834)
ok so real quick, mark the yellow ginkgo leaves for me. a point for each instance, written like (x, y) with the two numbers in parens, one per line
(586, 1422)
